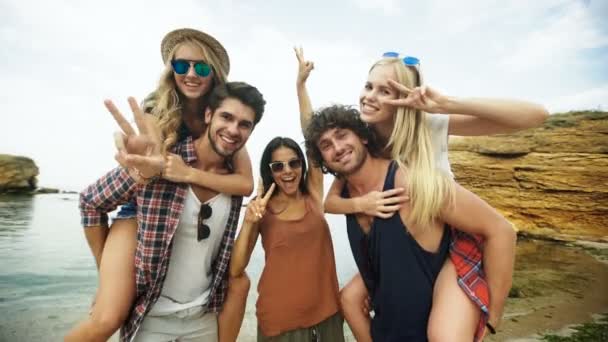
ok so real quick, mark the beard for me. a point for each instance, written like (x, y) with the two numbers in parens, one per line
(218, 150)
(360, 160)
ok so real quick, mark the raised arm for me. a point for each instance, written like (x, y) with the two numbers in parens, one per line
(473, 116)
(304, 69)
(245, 242)
(238, 183)
(491, 116)
(471, 214)
(315, 176)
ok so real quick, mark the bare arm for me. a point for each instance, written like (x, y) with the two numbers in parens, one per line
(475, 116)
(248, 236)
(381, 204)
(315, 175)
(238, 183)
(491, 116)
(243, 247)
(471, 214)
(304, 69)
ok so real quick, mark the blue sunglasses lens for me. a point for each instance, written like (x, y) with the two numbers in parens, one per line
(202, 69)
(181, 67)
(390, 54)
(411, 60)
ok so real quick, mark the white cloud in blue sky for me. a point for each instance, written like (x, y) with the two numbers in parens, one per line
(60, 59)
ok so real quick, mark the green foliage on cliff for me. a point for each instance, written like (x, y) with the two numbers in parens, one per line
(570, 119)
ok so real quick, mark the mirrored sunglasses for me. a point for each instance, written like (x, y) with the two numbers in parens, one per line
(407, 60)
(181, 67)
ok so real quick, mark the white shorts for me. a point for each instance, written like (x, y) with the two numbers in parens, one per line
(198, 327)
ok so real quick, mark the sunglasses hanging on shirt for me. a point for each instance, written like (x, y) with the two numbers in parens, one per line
(203, 231)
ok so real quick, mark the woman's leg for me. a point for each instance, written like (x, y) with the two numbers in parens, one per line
(454, 317)
(230, 318)
(352, 300)
(116, 291)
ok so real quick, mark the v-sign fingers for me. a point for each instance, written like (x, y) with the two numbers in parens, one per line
(268, 194)
(403, 102)
(125, 126)
(138, 114)
(298, 51)
(260, 189)
(400, 87)
(119, 141)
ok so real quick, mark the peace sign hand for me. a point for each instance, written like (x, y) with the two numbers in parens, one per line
(139, 152)
(257, 206)
(304, 66)
(422, 98)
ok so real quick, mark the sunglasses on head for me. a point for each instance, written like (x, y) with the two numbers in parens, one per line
(181, 67)
(203, 231)
(279, 166)
(407, 60)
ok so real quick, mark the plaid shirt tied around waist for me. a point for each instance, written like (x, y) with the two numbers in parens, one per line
(466, 254)
(159, 206)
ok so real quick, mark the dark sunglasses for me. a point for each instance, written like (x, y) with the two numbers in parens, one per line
(407, 60)
(279, 166)
(203, 230)
(181, 67)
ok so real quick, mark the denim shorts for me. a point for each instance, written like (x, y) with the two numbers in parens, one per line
(127, 211)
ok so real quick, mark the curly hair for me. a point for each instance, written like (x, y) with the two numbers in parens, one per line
(337, 116)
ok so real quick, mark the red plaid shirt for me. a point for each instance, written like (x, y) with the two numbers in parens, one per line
(466, 253)
(159, 206)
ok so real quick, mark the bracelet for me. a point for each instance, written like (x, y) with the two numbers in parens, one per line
(148, 179)
(490, 328)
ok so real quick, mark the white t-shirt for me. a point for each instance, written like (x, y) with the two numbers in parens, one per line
(438, 124)
(190, 272)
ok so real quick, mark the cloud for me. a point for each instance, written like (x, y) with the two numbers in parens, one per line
(61, 59)
(559, 43)
(589, 99)
(387, 7)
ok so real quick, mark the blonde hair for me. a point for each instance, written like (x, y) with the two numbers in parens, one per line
(410, 144)
(164, 102)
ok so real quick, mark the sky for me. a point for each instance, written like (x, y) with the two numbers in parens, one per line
(60, 59)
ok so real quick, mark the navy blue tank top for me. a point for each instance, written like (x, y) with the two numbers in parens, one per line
(398, 273)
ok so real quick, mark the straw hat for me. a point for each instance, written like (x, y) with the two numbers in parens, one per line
(177, 36)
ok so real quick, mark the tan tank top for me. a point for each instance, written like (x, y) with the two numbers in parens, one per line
(298, 287)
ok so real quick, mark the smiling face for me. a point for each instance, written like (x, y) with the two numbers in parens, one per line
(191, 85)
(288, 179)
(229, 126)
(343, 151)
(376, 90)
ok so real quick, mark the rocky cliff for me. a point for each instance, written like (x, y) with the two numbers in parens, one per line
(551, 181)
(17, 174)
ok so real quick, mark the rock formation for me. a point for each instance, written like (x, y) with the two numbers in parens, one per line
(17, 174)
(550, 182)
